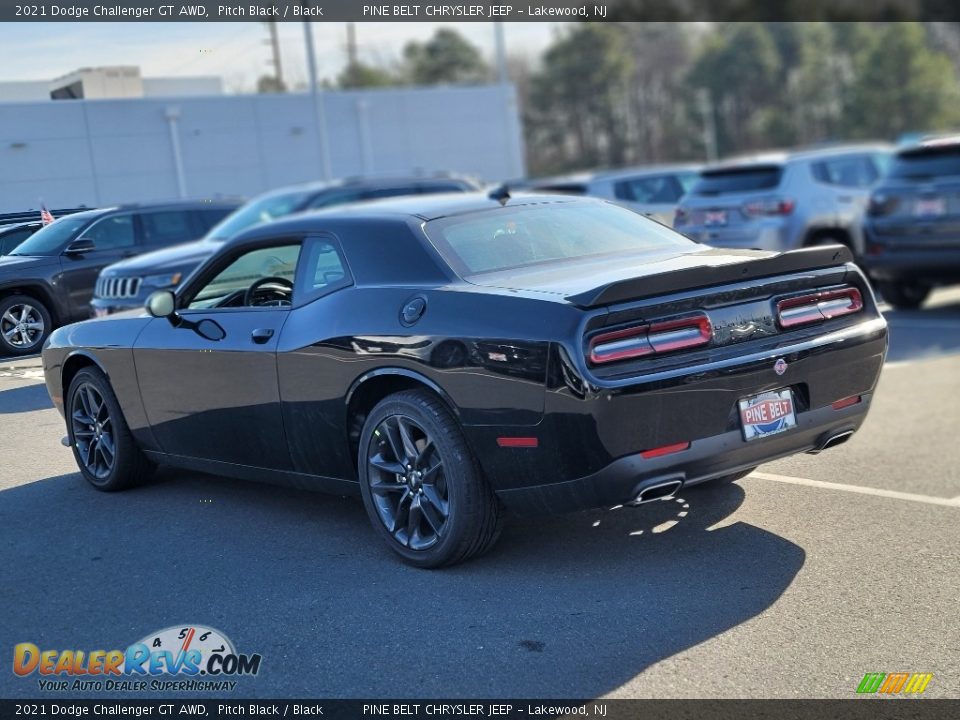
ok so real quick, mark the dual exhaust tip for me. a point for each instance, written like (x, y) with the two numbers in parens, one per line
(658, 489)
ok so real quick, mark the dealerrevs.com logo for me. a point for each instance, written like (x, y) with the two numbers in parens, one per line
(178, 658)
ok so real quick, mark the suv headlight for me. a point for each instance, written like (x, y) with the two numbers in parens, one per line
(163, 281)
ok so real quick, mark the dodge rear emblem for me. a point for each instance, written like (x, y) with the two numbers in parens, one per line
(780, 366)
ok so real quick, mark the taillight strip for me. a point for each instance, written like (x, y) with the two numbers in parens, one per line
(815, 307)
(648, 339)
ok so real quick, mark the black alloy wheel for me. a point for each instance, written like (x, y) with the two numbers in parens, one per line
(421, 486)
(93, 431)
(408, 483)
(103, 446)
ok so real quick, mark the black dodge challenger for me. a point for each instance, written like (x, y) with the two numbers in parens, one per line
(452, 357)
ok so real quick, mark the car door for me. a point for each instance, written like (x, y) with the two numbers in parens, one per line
(114, 238)
(217, 398)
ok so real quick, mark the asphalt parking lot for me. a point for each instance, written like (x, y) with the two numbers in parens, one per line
(793, 582)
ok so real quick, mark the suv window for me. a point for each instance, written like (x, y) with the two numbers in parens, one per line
(653, 189)
(13, 238)
(738, 179)
(927, 162)
(388, 192)
(207, 218)
(115, 231)
(166, 226)
(849, 171)
(441, 187)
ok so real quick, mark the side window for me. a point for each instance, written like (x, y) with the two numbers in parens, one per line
(112, 232)
(271, 268)
(10, 241)
(323, 269)
(659, 189)
(850, 171)
(164, 228)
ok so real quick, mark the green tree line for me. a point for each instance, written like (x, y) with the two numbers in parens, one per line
(613, 94)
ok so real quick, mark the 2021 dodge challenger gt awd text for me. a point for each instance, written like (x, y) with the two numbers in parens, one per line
(450, 358)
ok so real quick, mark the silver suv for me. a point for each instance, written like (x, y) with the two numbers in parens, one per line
(653, 190)
(783, 201)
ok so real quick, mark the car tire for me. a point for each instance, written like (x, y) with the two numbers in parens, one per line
(25, 324)
(421, 486)
(904, 295)
(102, 444)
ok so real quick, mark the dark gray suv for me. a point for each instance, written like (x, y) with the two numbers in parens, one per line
(48, 279)
(127, 284)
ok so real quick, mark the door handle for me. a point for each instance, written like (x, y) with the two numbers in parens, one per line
(261, 335)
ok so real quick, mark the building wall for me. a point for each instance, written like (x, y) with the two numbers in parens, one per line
(103, 152)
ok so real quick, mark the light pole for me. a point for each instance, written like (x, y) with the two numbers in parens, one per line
(319, 115)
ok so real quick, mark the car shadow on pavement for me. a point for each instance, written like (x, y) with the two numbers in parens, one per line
(571, 606)
(24, 399)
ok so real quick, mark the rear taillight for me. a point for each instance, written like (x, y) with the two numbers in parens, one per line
(680, 217)
(768, 206)
(819, 306)
(650, 339)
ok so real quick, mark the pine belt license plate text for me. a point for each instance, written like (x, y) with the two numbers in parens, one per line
(767, 414)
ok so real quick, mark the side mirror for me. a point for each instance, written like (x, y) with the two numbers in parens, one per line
(79, 247)
(162, 304)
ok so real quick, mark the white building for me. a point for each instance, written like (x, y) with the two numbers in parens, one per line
(108, 82)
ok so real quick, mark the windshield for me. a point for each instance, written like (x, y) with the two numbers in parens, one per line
(50, 240)
(257, 211)
(518, 237)
(735, 180)
(928, 163)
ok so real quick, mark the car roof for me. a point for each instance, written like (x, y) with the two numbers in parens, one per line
(404, 208)
(930, 144)
(15, 225)
(782, 157)
(181, 204)
(319, 186)
(614, 174)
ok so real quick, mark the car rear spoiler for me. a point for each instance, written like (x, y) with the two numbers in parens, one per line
(813, 258)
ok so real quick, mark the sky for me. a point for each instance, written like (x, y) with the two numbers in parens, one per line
(239, 52)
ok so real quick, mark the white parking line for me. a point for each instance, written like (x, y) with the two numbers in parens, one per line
(877, 492)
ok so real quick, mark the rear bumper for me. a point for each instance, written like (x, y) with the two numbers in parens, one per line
(621, 481)
(932, 264)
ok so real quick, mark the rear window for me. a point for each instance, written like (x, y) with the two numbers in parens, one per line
(940, 162)
(518, 237)
(736, 180)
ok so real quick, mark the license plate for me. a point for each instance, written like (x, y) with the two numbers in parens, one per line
(715, 217)
(100, 312)
(767, 414)
(929, 207)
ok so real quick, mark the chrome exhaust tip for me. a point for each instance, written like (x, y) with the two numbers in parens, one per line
(658, 491)
(837, 439)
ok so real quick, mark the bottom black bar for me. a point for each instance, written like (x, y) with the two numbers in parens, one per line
(860, 708)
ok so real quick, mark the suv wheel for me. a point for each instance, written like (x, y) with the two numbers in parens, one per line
(904, 295)
(24, 324)
(421, 486)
